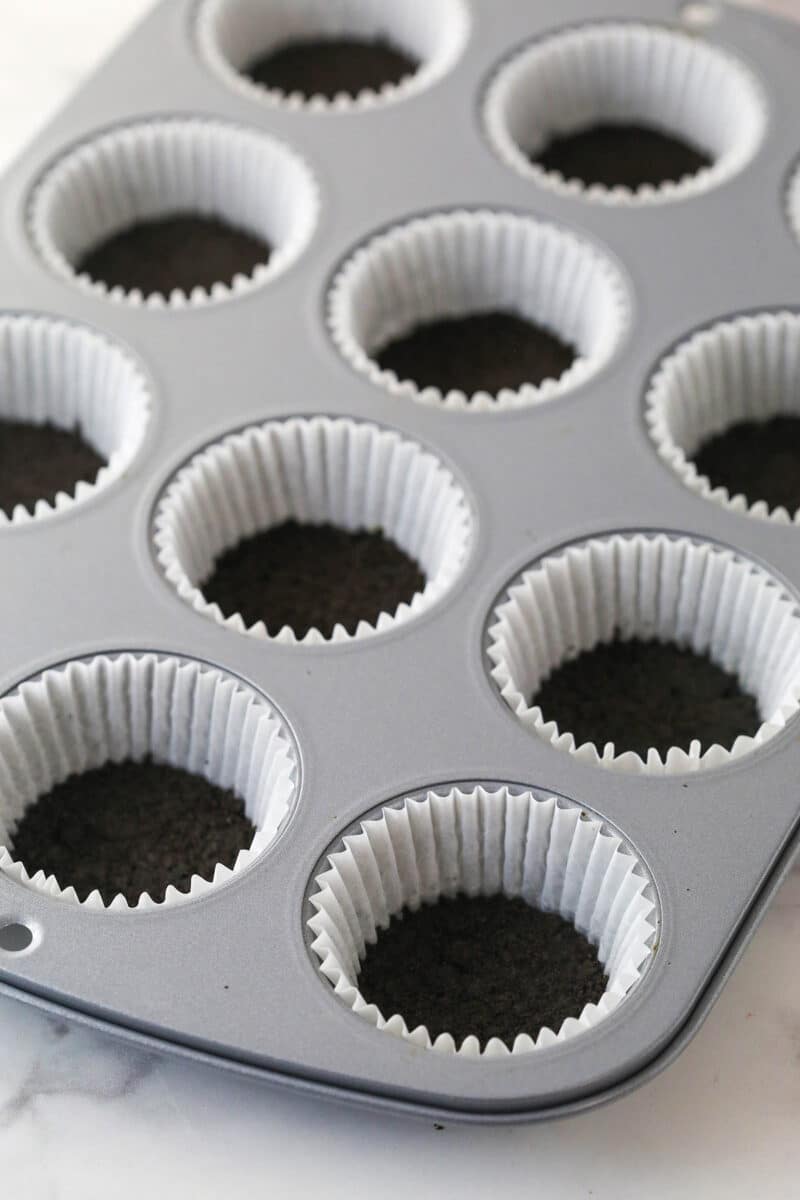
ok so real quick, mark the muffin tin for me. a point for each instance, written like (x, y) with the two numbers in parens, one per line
(560, 511)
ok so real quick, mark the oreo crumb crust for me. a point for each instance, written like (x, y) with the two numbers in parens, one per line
(488, 966)
(132, 827)
(331, 66)
(759, 459)
(313, 577)
(642, 694)
(484, 352)
(39, 461)
(183, 252)
(627, 156)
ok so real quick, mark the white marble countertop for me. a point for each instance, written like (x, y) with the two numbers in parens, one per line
(82, 1115)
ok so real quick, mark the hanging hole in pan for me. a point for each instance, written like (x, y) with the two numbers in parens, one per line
(15, 937)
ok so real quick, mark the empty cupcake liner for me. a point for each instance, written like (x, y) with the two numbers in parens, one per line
(232, 33)
(52, 371)
(76, 717)
(741, 370)
(648, 586)
(626, 73)
(550, 852)
(314, 470)
(461, 263)
(167, 167)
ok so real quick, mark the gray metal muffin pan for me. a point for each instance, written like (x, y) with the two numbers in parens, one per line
(228, 978)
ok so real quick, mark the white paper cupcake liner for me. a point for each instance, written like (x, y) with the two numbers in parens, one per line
(747, 369)
(162, 168)
(461, 263)
(550, 852)
(635, 73)
(315, 470)
(648, 586)
(66, 375)
(231, 34)
(74, 718)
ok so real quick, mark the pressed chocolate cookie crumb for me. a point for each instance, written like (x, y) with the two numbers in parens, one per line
(622, 156)
(313, 576)
(132, 827)
(489, 966)
(760, 460)
(182, 251)
(38, 461)
(642, 694)
(331, 66)
(481, 353)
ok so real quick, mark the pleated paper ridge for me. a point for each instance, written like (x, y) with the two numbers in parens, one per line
(231, 34)
(697, 595)
(747, 369)
(627, 72)
(80, 716)
(459, 263)
(554, 855)
(56, 372)
(312, 469)
(164, 167)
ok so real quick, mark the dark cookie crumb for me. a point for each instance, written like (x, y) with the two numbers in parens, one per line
(132, 827)
(313, 576)
(759, 459)
(485, 352)
(489, 966)
(38, 461)
(332, 66)
(622, 156)
(642, 694)
(182, 251)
